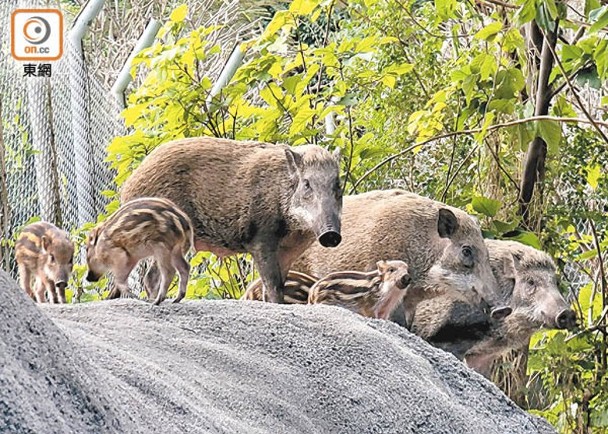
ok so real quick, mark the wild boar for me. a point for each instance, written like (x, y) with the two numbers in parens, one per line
(456, 321)
(296, 288)
(441, 245)
(142, 228)
(374, 294)
(528, 283)
(268, 200)
(45, 253)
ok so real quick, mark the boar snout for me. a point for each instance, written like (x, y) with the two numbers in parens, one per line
(500, 313)
(328, 232)
(62, 284)
(404, 281)
(92, 277)
(330, 238)
(566, 319)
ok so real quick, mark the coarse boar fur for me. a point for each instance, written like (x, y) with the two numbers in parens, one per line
(271, 201)
(142, 228)
(44, 253)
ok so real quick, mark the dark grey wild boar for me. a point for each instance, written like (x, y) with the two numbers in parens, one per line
(456, 321)
(442, 246)
(374, 294)
(271, 201)
(528, 283)
(44, 253)
(142, 228)
(295, 289)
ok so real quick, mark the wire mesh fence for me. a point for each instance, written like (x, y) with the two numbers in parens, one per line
(56, 129)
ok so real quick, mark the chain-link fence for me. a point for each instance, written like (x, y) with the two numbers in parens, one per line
(55, 130)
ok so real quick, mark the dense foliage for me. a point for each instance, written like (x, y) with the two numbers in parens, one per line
(491, 106)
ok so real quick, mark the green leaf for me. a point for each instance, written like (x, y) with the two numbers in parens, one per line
(179, 13)
(526, 12)
(593, 175)
(486, 206)
(591, 5)
(445, 8)
(551, 133)
(303, 7)
(489, 32)
(601, 17)
(589, 77)
(527, 238)
(301, 119)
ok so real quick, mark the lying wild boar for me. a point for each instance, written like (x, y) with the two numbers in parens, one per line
(441, 245)
(527, 282)
(374, 294)
(45, 253)
(142, 228)
(456, 321)
(296, 288)
(268, 200)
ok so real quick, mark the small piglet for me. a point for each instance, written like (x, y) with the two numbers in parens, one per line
(296, 288)
(374, 294)
(142, 228)
(46, 253)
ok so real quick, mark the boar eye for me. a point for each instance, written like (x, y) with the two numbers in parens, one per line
(306, 184)
(391, 270)
(52, 259)
(467, 257)
(530, 282)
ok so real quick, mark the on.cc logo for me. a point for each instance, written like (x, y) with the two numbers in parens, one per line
(36, 30)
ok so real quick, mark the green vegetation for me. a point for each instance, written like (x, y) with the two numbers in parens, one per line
(492, 106)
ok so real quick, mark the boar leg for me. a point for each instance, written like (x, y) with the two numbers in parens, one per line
(183, 268)
(151, 281)
(50, 287)
(40, 288)
(167, 273)
(121, 275)
(267, 264)
(25, 275)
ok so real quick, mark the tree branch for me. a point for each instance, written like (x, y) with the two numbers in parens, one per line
(471, 131)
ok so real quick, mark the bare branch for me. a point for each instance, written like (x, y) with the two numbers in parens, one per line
(471, 131)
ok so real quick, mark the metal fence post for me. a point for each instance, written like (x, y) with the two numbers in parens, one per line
(80, 113)
(124, 77)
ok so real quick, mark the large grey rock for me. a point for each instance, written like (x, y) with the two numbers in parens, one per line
(240, 367)
(46, 385)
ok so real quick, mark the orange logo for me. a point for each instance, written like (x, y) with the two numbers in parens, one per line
(37, 34)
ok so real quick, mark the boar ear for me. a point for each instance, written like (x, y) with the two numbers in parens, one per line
(511, 265)
(447, 223)
(93, 236)
(294, 161)
(381, 265)
(336, 154)
(46, 243)
(501, 312)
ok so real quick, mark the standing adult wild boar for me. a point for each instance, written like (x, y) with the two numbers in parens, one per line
(442, 245)
(527, 282)
(268, 200)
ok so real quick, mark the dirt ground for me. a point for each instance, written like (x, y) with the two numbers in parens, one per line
(125, 366)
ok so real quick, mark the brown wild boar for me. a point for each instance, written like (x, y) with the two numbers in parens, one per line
(441, 245)
(295, 289)
(456, 321)
(142, 228)
(45, 253)
(374, 294)
(271, 201)
(528, 283)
